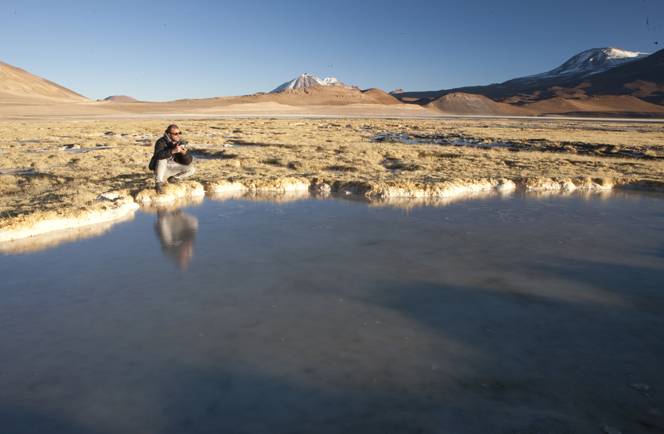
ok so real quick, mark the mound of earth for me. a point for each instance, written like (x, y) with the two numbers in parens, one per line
(120, 98)
(16, 83)
(596, 105)
(380, 96)
(470, 104)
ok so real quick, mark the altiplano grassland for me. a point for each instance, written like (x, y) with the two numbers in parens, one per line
(55, 169)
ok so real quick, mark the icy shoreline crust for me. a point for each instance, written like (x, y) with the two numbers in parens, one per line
(171, 193)
(108, 207)
(457, 188)
(117, 205)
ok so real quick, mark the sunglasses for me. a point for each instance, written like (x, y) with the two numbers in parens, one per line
(175, 134)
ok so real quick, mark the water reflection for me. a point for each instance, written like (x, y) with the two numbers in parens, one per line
(493, 316)
(56, 238)
(177, 232)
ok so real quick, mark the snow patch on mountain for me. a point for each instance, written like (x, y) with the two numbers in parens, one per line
(593, 61)
(306, 81)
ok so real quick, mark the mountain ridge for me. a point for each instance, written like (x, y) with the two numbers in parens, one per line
(582, 65)
(19, 83)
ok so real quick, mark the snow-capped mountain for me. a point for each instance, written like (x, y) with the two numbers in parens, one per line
(577, 68)
(593, 61)
(306, 81)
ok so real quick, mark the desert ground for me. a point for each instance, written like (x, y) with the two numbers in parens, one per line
(58, 170)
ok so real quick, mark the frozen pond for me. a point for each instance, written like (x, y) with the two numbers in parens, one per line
(497, 315)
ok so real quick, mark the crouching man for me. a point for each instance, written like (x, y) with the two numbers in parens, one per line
(170, 161)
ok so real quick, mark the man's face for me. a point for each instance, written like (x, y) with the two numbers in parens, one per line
(175, 134)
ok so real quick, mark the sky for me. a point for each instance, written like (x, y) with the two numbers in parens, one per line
(164, 50)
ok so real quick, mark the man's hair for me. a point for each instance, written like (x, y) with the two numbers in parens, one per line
(171, 127)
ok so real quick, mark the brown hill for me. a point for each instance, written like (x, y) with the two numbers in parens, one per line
(469, 104)
(17, 84)
(380, 96)
(120, 98)
(612, 105)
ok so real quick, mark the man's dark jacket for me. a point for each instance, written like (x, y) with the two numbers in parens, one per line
(163, 149)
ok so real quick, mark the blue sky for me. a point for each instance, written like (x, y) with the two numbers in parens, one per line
(166, 50)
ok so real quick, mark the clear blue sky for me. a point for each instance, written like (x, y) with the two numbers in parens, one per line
(160, 50)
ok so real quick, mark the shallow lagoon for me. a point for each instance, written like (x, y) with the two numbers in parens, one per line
(506, 315)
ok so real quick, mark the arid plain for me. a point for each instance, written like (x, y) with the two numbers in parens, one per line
(64, 173)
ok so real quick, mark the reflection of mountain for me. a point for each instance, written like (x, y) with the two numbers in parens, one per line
(177, 232)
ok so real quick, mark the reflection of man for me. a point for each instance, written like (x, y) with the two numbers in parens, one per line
(170, 160)
(177, 231)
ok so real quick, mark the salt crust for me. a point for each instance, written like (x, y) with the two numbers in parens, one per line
(117, 205)
(104, 211)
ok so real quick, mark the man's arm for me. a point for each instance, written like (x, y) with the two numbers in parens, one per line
(163, 150)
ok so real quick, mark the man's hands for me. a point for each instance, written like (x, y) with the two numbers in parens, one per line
(179, 149)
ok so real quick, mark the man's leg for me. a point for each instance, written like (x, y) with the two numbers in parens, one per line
(161, 171)
(160, 174)
(179, 171)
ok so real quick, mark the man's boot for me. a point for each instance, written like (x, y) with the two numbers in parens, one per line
(159, 187)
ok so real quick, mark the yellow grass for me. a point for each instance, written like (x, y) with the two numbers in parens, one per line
(39, 177)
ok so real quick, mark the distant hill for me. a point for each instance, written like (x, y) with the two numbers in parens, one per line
(596, 105)
(120, 98)
(469, 104)
(16, 83)
(380, 96)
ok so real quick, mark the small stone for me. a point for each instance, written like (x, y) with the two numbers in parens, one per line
(109, 195)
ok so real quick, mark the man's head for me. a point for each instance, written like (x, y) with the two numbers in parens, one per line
(173, 132)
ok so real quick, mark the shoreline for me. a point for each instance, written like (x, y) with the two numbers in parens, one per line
(114, 207)
(57, 175)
